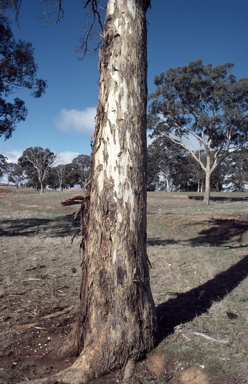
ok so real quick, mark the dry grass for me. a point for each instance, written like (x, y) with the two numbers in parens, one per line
(199, 282)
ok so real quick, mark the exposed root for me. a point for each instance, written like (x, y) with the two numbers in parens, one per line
(84, 369)
(69, 346)
(79, 373)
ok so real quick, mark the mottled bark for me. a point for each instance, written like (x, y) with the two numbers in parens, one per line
(117, 308)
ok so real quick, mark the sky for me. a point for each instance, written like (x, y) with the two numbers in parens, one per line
(179, 31)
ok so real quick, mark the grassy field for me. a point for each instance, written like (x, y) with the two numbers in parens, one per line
(199, 258)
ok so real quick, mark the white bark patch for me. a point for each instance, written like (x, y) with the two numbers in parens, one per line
(114, 256)
(118, 26)
(119, 217)
(111, 7)
(124, 100)
(112, 106)
(131, 7)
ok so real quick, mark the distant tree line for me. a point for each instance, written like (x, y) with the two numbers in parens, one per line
(172, 168)
(169, 168)
(37, 168)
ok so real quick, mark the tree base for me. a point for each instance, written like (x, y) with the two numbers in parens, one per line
(81, 372)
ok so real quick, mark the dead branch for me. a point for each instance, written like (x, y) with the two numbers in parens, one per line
(76, 200)
(23, 327)
(211, 338)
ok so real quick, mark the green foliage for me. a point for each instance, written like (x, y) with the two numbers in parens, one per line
(203, 103)
(36, 162)
(3, 165)
(163, 159)
(15, 173)
(204, 100)
(237, 175)
(17, 71)
(81, 167)
(61, 177)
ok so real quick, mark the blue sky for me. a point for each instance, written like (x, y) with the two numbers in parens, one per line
(179, 31)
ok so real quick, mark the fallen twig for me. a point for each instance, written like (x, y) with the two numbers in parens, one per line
(211, 338)
(23, 327)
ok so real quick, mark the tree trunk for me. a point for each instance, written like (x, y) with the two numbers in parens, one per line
(167, 180)
(117, 309)
(117, 320)
(41, 187)
(207, 181)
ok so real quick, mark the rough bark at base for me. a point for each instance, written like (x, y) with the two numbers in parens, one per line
(117, 306)
(117, 313)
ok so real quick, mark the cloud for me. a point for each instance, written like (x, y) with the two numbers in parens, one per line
(65, 157)
(83, 121)
(13, 156)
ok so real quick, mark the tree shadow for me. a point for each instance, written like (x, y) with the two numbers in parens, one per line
(220, 199)
(157, 241)
(219, 232)
(59, 226)
(186, 306)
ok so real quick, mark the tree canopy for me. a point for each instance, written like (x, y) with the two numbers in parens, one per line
(205, 103)
(163, 158)
(37, 162)
(81, 166)
(18, 70)
(3, 164)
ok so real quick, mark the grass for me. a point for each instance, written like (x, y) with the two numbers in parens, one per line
(198, 277)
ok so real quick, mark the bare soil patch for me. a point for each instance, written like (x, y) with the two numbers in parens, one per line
(199, 280)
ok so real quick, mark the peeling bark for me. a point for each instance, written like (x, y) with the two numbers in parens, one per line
(117, 311)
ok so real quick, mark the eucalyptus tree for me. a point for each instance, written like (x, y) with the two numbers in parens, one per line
(81, 166)
(205, 104)
(15, 174)
(39, 160)
(237, 171)
(18, 70)
(3, 165)
(167, 156)
(117, 323)
(61, 176)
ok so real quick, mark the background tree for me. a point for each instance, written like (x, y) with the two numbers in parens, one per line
(203, 103)
(81, 166)
(15, 174)
(152, 169)
(61, 176)
(56, 177)
(17, 70)
(39, 161)
(237, 171)
(185, 177)
(3, 165)
(166, 155)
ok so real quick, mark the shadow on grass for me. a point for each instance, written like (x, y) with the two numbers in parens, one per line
(58, 226)
(220, 231)
(220, 199)
(186, 306)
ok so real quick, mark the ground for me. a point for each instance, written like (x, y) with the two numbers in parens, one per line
(199, 282)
